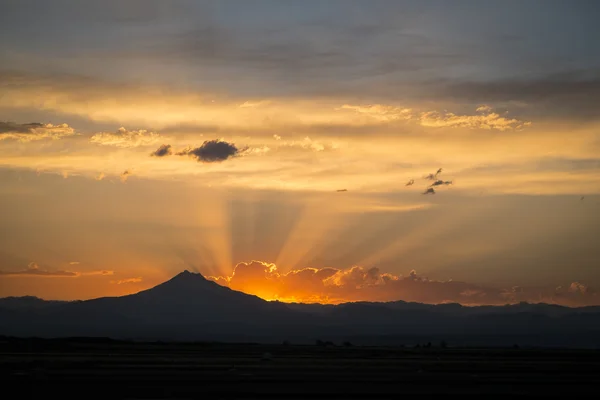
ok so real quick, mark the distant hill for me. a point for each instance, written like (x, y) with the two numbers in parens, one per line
(190, 307)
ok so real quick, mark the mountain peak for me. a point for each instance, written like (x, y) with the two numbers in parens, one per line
(186, 274)
(186, 280)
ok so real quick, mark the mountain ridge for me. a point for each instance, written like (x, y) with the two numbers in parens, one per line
(191, 307)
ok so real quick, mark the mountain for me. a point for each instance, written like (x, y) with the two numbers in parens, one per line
(190, 307)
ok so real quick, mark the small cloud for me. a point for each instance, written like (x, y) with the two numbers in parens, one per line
(94, 273)
(126, 281)
(277, 137)
(484, 108)
(257, 150)
(124, 175)
(34, 131)
(254, 104)
(74, 263)
(162, 151)
(429, 191)
(124, 138)
(100, 176)
(309, 144)
(212, 151)
(380, 112)
(33, 269)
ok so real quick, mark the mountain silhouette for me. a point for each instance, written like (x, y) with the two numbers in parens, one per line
(190, 307)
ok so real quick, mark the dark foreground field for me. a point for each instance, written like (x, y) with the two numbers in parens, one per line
(120, 370)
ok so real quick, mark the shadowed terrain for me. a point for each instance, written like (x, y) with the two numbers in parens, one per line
(190, 308)
(121, 370)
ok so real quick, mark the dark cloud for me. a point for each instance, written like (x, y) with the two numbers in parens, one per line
(162, 151)
(212, 151)
(9, 127)
(370, 284)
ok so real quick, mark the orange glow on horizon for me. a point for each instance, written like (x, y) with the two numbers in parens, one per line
(335, 286)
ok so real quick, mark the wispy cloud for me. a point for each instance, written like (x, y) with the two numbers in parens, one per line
(485, 118)
(125, 138)
(33, 269)
(488, 120)
(126, 281)
(33, 131)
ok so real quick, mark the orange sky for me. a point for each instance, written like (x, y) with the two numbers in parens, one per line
(145, 142)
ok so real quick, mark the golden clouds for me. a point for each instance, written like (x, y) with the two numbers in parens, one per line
(331, 285)
(299, 144)
(486, 119)
(162, 108)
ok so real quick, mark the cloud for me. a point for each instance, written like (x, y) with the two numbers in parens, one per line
(34, 269)
(332, 285)
(34, 131)
(308, 144)
(127, 281)
(100, 176)
(381, 113)
(572, 94)
(487, 120)
(124, 138)
(253, 104)
(162, 151)
(124, 175)
(93, 273)
(212, 151)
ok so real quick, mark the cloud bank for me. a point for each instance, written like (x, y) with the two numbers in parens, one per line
(332, 285)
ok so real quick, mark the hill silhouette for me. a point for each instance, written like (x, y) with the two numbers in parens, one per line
(190, 307)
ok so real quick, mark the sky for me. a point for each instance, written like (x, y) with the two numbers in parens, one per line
(310, 151)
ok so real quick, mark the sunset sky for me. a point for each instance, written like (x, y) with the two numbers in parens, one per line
(142, 138)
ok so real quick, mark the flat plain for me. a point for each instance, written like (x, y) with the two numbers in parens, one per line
(93, 368)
